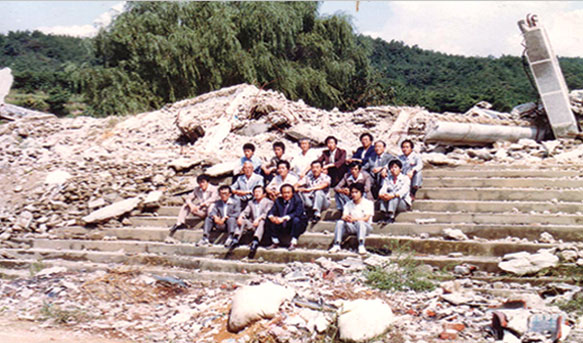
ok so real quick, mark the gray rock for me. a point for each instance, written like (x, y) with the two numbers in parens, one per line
(455, 234)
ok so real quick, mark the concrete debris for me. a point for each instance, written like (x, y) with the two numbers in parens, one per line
(524, 263)
(112, 211)
(455, 234)
(360, 320)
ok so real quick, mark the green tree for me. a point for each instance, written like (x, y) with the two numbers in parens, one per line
(160, 52)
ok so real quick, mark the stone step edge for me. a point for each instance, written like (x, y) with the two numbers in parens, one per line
(201, 276)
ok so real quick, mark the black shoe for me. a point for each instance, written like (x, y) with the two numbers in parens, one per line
(315, 219)
(253, 249)
(389, 220)
(233, 244)
(175, 228)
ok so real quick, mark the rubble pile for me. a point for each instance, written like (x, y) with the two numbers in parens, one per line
(307, 302)
(57, 171)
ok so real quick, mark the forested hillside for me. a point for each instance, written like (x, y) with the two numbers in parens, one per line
(160, 52)
(444, 82)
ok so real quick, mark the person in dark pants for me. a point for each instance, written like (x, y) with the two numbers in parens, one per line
(334, 160)
(287, 214)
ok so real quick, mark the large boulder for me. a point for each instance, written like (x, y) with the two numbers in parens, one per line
(360, 320)
(252, 303)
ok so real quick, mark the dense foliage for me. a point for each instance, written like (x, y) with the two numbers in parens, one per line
(442, 82)
(43, 63)
(160, 52)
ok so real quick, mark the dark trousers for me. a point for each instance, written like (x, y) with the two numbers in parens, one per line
(296, 226)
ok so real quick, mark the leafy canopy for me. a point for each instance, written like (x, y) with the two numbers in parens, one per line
(160, 52)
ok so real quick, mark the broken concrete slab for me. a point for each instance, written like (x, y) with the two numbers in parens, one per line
(112, 211)
(524, 263)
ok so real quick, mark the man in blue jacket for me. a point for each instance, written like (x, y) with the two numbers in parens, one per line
(287, 214)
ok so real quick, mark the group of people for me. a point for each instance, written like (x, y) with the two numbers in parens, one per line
(281, 196)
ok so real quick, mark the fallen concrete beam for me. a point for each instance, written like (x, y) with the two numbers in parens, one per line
(478, 134)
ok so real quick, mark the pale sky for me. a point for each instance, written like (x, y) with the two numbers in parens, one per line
(470, 28)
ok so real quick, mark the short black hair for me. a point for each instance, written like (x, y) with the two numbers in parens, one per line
(279, 144)
(224, 187)
(203, 177)
(284, 162)
(397, 162)
(259, 186)
(287, 185)
(355, 164)
(316, 162)
(364, 135)
(382, 142)
(408, 141)
(249, 146)
(357, 185)
(331, 137)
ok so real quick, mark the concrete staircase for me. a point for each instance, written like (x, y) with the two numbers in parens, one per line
(488, 204)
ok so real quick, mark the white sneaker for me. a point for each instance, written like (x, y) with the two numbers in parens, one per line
(362, 250)
(204, 242)
(335, 248)
(228, 241)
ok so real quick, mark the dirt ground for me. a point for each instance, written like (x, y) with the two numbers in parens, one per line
(18, 331)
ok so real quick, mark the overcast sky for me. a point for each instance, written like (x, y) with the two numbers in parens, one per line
(470, 28)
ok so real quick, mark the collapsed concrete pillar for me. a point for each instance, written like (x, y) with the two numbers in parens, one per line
(5, 83)
(477, 134)
(549, 79)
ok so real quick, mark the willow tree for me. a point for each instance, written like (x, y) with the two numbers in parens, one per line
(160, 52)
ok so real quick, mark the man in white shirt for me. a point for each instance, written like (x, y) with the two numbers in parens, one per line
(412, 166)
(284, 176)
(356, 219)
(314, 189)
(302, 161)
(394, 195)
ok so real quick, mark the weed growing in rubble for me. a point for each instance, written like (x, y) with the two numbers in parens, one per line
(402, 274)
(59, 315)
(35, 268)
(574, 305)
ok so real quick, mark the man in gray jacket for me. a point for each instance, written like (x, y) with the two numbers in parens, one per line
(223, 216)
(377, 164)
(253, 219)
(244, 185)
(197, 203)
(394, 195)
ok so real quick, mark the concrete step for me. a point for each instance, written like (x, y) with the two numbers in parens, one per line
(310, 241)
(501, 194)
(491, 218)
(566, 233)
(496, 206)
(412, 216)
(277, 259)
(461, 206)
(24, 267)
(498, 172)
(483, 182)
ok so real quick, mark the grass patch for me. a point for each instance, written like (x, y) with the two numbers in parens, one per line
(61, 316)
(36, 267)
(570, 271)
(574, 305)
(405, 273)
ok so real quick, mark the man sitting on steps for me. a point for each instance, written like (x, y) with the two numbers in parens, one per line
(356, 219)
(253, 219)
(287, 215)
(222, 216)
(198, 202)
(313, 188)
(394, 195)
